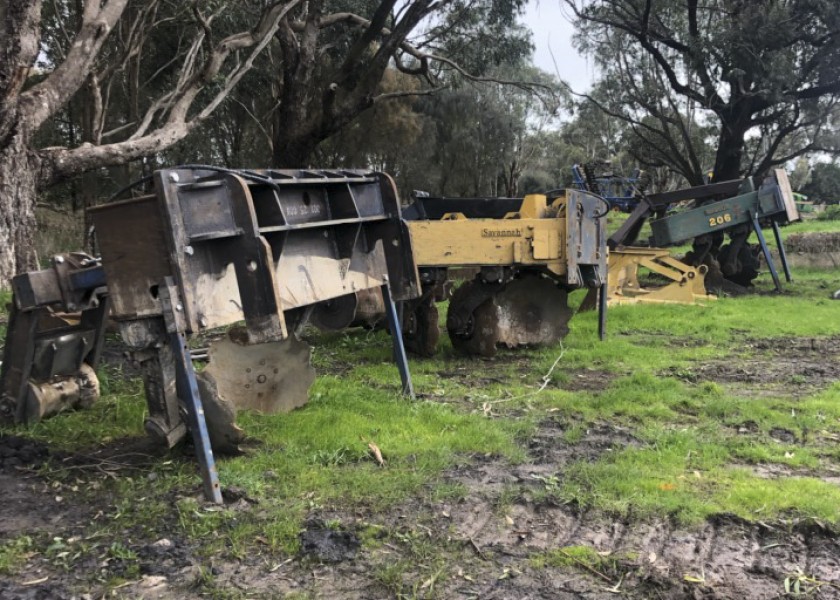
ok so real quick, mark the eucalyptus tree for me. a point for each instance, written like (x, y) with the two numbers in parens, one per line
(335, 54)
(90, 83)
(764, 74)
(50, 52)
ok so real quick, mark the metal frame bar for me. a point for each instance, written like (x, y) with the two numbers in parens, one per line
(187, 389)
(397, 338)
(782, 253)
(765, 249)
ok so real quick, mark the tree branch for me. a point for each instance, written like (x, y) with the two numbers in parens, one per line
(19, 43)
(43, 100)
(406, 93)
(61, 163)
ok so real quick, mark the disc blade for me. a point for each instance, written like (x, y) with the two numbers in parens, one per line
(270, 378)
(532, 310)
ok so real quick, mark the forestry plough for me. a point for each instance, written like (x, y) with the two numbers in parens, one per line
(262, 253)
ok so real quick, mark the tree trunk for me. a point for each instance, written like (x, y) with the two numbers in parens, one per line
(728, 159)
(730, 151)
(293, 152)
(18, 191)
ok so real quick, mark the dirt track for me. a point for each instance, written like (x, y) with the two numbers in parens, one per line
(487, 553)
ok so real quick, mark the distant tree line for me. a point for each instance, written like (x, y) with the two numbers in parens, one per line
(440, 93)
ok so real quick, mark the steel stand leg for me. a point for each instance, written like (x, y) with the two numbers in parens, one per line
(396, 337)
(766, 251)
(602, 312)
(187, 389)
(188, 392)
(782, 254)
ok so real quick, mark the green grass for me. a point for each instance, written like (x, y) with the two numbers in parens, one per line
(569, 556)
(13, 554)
(687, 475)
(695, 446)
(118, 414)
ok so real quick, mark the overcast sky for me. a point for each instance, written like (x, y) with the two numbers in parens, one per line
(553, 36)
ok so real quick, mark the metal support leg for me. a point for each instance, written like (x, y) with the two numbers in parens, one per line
(766, 252)
(188, 392)
(602, 311)
(186, 387)
(396, 337)
(782, 253)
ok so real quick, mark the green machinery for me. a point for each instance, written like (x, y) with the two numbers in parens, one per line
(733, 208)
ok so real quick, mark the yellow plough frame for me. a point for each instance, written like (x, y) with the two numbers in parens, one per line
(687, 283)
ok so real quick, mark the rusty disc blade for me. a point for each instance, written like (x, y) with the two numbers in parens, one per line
(273, 377)
(421, 330)
(530, 310)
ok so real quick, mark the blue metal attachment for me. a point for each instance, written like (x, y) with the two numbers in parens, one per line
(396, 337)
(188, 392)
(782, 253)
(186, 387)
(766, 250)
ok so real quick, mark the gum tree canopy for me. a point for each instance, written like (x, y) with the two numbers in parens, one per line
(747, 67)
(51, 51)
(86, 84)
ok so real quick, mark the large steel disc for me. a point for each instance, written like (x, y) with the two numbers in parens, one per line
(370, 308)
(745, 266)
(269, 378)
(421, 329)
(479, 333)
(335, 314)
(530, 310)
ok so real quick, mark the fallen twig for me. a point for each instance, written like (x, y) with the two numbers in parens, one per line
(589, 568)
(545, 381)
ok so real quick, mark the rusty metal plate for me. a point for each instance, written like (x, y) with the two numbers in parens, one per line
(135, 255)
(270, 378)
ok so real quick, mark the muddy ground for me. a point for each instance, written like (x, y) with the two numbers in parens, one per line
(481, 545)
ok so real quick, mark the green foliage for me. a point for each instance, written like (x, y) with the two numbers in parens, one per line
(832, 213)
(13, 554)
(483, 35)
(685, 82)
(824, 186)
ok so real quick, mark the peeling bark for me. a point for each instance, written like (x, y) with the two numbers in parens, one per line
(19, 172)
(25, 170)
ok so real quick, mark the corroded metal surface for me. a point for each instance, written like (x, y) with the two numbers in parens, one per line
(53, 340)
(271, 248)
(528, 311)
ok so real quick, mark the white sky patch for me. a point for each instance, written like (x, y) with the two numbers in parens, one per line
(554, 53)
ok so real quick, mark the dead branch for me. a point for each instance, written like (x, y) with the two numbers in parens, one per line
(172, 108)
(44, 99)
